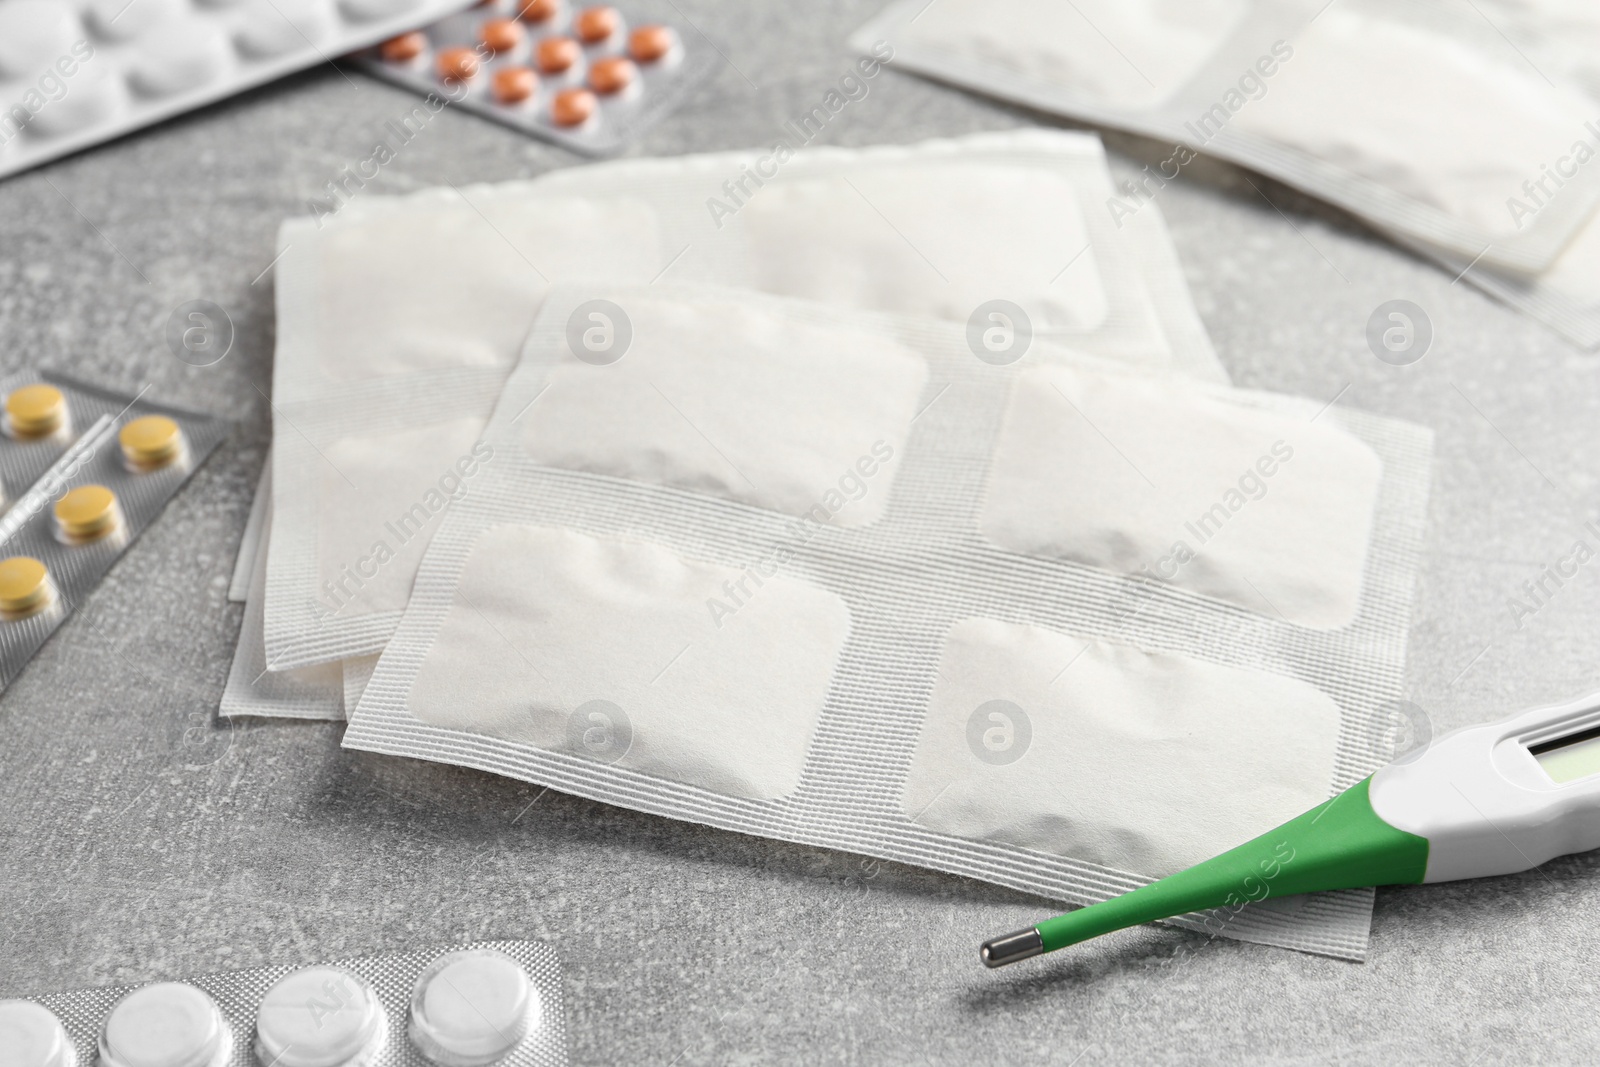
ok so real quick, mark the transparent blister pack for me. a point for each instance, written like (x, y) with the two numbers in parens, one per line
(855, 581)
(1418, 116)
(113, 463)
(590, 79)
(468, 1005)
(74, 73)
(398, 318)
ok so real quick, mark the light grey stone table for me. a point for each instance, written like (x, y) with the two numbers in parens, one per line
(128, 853)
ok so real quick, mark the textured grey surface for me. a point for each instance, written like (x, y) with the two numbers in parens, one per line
(139, 838)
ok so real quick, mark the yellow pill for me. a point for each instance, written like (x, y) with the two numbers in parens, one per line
(36, 410)
(24, 585)
(150, 441)
(87, 512)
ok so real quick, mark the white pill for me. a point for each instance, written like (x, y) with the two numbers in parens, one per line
(319, 1017)
(33, 35)
(168, 1024)
(92, 94)
(31, 1036)
(275, 27)
(472, 1008)
(367, 10)
(177, 55)
(120, 20)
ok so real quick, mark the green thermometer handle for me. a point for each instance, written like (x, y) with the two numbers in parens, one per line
(1341, 844)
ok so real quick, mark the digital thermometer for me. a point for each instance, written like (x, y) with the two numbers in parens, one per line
(1490, 799)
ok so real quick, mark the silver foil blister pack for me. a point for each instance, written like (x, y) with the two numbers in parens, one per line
(26, 453)
(86, 471)
(467, 1005)
(74, 73)
(497, 60)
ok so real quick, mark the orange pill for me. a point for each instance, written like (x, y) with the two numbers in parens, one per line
(556, 54)
(537, 10)
(457, 64)
(500, 35)
(513, 85)
(595, 24)
(572, 107)
(612, 74)
(404, 48)
(649, 43)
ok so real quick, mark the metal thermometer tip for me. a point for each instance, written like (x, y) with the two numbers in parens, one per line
(999, 951)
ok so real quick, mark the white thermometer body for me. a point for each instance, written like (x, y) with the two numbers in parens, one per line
(1503, 796)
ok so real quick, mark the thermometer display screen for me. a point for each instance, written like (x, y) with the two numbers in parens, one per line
(1566, 759)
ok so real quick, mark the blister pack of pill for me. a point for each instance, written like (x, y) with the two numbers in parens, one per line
(461, 1006)
(589, 79)
(85, 471)
(43, 415)
(74, 73)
